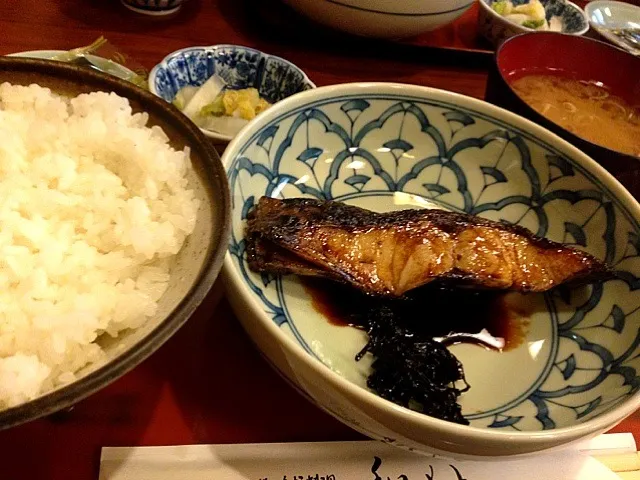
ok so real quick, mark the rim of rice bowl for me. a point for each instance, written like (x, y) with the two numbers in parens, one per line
(85, 238)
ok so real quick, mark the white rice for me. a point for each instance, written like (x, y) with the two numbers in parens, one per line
(93, 204)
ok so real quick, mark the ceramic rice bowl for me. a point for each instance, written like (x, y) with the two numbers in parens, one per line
(193, 270)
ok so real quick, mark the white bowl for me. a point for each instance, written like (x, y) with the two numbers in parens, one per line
(390, 146)
(382, 18)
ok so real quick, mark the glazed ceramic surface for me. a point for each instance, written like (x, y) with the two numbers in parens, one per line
(240, 67)
(606, 15)
(382, 18)
(387, 147)
(497, 29)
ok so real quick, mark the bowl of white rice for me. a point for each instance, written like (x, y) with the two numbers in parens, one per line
(114, 219)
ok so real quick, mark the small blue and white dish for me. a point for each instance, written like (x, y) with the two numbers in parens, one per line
(496, 28)
(606, 16)
(240, 67)
(388, 147)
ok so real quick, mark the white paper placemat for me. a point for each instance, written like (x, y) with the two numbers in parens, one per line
(364, 460)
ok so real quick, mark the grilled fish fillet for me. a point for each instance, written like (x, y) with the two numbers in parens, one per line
(392, 253)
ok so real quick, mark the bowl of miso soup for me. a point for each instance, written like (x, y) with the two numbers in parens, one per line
(584, 90)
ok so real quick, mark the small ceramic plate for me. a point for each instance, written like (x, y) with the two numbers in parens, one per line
(605, 15)
(102, 64)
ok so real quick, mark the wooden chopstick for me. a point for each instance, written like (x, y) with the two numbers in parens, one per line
(624, 462)
(629, 475)
(625, 465)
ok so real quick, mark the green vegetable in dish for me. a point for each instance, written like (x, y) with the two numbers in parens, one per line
(530, 14)
(178, 102)
(215, 108)
(533, 24)
(500, 7)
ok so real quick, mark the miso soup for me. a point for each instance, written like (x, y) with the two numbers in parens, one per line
(587, 109)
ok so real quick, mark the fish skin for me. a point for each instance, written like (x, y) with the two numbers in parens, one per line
(392, 253)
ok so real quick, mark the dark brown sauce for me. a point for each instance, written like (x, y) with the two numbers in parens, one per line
(432, 312)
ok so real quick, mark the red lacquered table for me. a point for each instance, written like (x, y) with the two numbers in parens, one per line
(207, 384)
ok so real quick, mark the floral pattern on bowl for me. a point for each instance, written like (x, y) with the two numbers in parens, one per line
(240, 67)
(391, 150)
(497, 29)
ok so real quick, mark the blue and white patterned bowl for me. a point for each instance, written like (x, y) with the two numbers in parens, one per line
(389, 146)
(497, 29)
(241, 67)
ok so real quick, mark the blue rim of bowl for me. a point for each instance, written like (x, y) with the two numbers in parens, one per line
(485, 5)
(530, 439)
(401, 14)
(213, 48)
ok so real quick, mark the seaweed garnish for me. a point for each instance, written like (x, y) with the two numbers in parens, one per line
(410, 369)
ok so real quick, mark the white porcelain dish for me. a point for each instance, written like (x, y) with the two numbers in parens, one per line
(382, 18)
(607, 15)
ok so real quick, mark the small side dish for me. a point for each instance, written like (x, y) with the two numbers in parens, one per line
(502, 19)
(617, 22)
(246, 79)
(530, 15)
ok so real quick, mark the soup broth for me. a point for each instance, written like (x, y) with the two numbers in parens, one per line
(587, 109)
